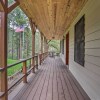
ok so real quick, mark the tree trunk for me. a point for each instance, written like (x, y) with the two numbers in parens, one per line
(20, 45)
(12, 47)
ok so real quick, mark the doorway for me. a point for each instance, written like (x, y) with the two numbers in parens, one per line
(67, 49)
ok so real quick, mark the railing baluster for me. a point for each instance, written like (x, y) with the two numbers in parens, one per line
(33, 62)
(37, 62)
(33, 71)
(30, 64)
(40, 58)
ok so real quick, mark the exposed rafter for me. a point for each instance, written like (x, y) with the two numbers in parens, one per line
(32, 26)
(2, 6)
(13, 6)
(48, 41)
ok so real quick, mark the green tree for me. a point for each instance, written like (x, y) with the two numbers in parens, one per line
(16, 19)
(54, 45)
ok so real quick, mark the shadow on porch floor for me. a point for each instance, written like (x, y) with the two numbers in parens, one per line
(53, 81)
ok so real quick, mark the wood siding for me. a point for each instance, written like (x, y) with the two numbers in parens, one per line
(88, 76)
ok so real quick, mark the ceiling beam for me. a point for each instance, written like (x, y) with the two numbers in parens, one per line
(2, 6)
(13, 6)
(32, 26)
(48, 41)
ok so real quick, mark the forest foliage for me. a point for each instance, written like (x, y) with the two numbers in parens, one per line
(20, 44)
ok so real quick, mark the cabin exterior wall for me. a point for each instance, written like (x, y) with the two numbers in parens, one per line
(89, 75)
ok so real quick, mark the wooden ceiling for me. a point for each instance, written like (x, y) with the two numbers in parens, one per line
(52, 17)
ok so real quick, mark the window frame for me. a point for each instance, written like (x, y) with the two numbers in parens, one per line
(79, 41)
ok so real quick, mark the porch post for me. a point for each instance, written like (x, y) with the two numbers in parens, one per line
(41, 50)
(47, 47)
(33, 42)
(45, 41)
(33, 48)
(44, 44)
(41, 43)
(3, 53)
(25, 72)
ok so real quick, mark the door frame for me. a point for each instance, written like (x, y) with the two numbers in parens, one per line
(67, 49)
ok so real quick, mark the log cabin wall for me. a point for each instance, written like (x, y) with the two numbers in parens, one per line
(89, 75)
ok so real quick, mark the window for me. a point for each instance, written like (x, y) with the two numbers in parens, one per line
(79, 46)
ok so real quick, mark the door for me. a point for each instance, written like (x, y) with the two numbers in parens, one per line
(67, 49)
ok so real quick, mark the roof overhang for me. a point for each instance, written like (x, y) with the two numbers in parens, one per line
(52, 17)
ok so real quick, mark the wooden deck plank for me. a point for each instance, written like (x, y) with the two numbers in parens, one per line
(37, 96)
(31, 85)
(65, 87)
(49, 90)
(19, 92)
(70, 88)
(23, 87)
(55, 84)
(79, 87)
(45, 87)
(60, 87)
(53, 81)
(34, 89)
(78, 93)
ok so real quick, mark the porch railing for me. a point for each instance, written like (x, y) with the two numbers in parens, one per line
(25, 71)
(43, 56)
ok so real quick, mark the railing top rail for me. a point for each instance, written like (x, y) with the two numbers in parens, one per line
(43, 53)
(21, 61)
(23, 75)
(2, 69)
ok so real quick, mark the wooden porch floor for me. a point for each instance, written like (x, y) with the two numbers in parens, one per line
(53, 81)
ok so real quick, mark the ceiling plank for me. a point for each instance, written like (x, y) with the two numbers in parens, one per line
(52, 17)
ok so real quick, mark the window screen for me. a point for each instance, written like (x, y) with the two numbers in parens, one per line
(79, 46)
